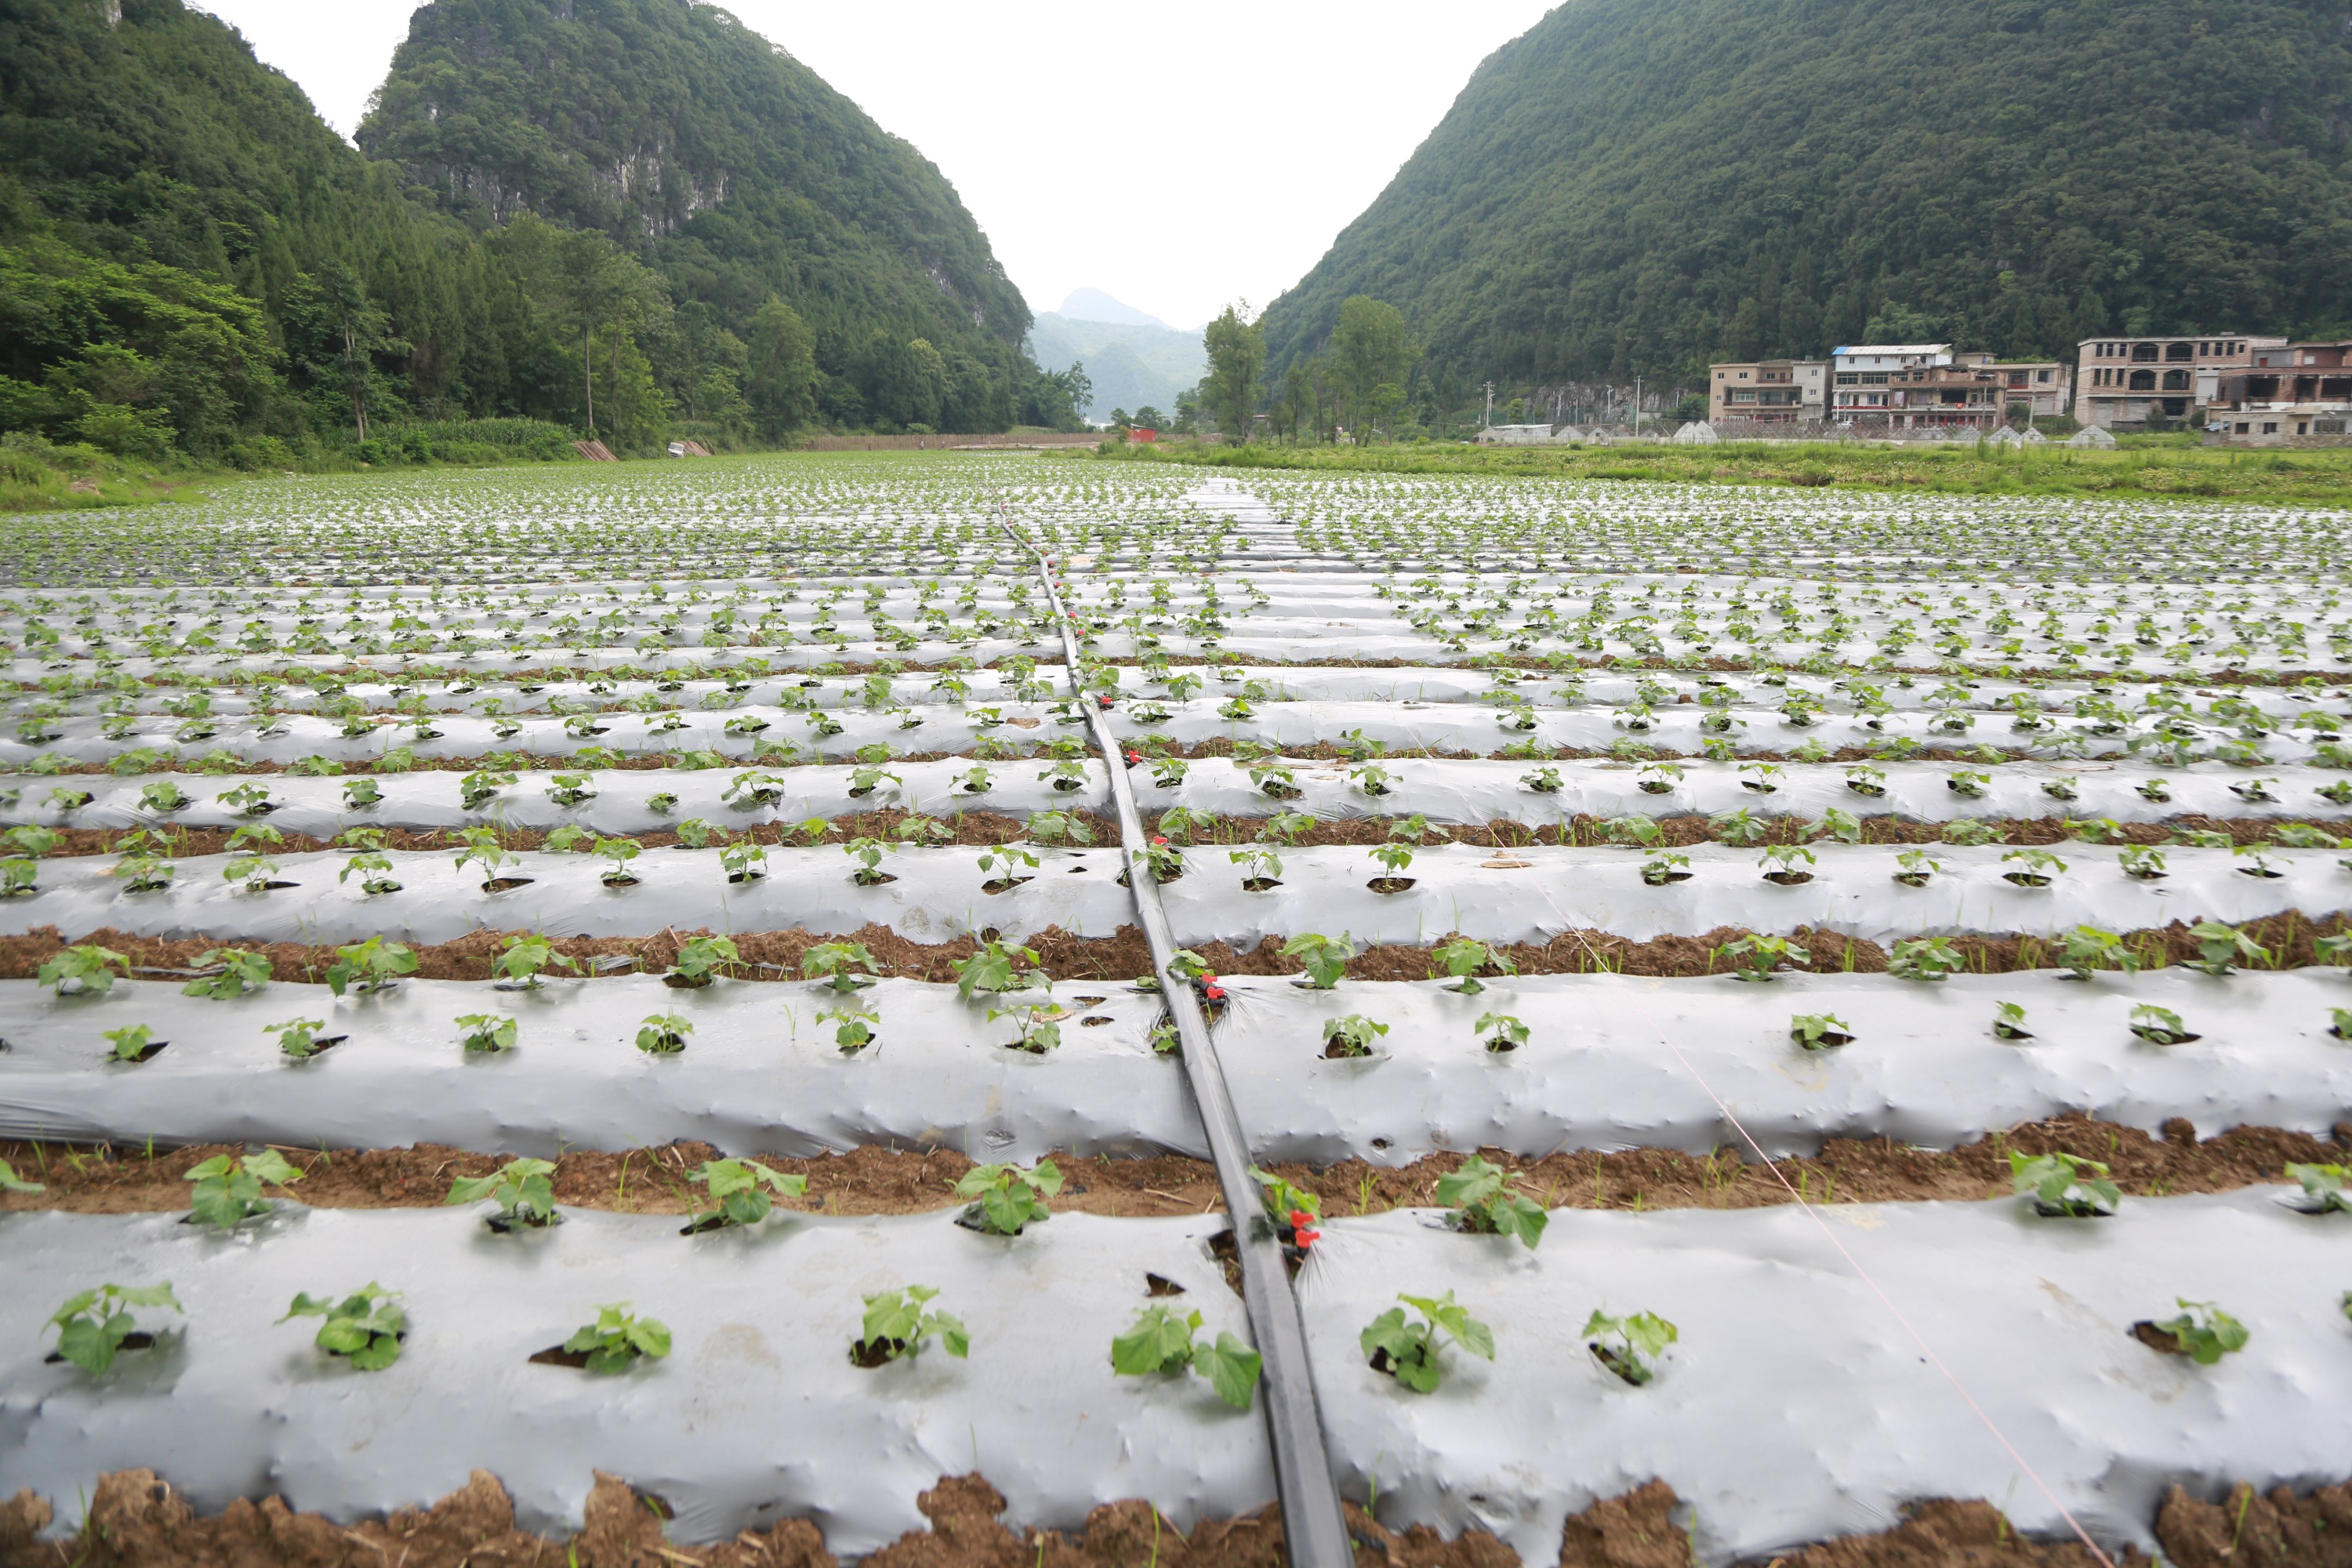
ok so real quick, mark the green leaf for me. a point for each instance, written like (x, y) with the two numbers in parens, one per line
(1161, 1340)
(1231, 1367)
(12, 1183)
(380, 1351)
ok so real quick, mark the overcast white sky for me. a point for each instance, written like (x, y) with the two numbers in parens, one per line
(1175, 157)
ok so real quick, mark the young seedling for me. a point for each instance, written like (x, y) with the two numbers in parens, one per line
(1634, 832)
(619, 852)
(1661, 869)
(869, 853)
(477, 788)
(487, 1032)
(854, 1030)
(1500, 1031)
(1820, 1031)
(1630, 1346)
(895, 1326)
(1488, 1206)
(1007, 1198)
(2065, 1185)
(12, 1183)
(524, 1191)
(1408, 1351)
(1463, 957)
(2008, 1022)
(132, 1043)
(2202, 1333)
(663, 1034)
(374, 871)
(2219, 947)
(1394, 858)
(240, 970)
(1543, 781)
(2323, 1188)
(1757, 956)
(744, 1192)
(1007, 861)
(483, 850)
(525, 958)
(1161, 1342)
(699, 957)
(1926, 958)
(2036, 867)
(95, 1326)
(1352, 1035)
(616, 1340)
(2142, 862)
(2160, 1026)
(1039, 1022)
(832, 962)
(990, 971)
(1325, 958)
(361, 794)
(1779, 864)
(300, 1038)
(746, 860)
(2086, 949)
(227, 1191)
(1058, 827)
(1261, 869)
(365, 1327)
(375, 965)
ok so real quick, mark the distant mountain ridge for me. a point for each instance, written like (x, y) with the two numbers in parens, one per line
(1131, 366)
(1094, 305)
(1634, 186)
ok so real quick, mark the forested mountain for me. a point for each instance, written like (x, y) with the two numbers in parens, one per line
(191, 261)
(1636, 185)
(741, 175)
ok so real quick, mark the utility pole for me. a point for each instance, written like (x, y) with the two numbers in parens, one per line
(1490, 406)
(1637, 405)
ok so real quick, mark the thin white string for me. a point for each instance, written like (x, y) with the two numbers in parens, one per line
(1813, 1213)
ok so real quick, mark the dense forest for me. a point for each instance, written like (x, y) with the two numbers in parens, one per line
(626, 218)
(1635, 188)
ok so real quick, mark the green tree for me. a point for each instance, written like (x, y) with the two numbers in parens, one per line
(1236, 349)
(1371, 358)
(780, 380)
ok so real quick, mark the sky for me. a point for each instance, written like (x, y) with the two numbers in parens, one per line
(1177, 159)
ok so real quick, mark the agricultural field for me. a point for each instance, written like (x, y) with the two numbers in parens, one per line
(1449, 1018)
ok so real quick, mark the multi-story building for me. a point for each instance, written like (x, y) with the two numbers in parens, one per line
(1911, 386)
(2122, 383)
(1773, 391)
(2289, 390)
(2045, 388)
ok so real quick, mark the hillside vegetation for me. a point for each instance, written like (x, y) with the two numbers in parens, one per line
(196, 271)
(1632, 188)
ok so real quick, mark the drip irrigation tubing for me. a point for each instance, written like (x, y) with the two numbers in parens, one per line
(1314, 1525)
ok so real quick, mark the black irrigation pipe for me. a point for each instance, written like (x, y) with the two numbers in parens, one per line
(1314, 1526)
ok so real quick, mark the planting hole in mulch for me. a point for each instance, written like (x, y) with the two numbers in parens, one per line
(1912, 878)
(618, 879)
(1788, 878)
(871, 1353)
(715, 1220)
(1005, 884)
(1389, 884)
(147, 1053)
(507, 884)
(2157, 1339)
(2026, 878)
(873, 879)
(510, 1224)
(556, 1355)
(1616, 1360)
(1161, 1285)
(1260, 884)
(323, 1043)
(1094, 1023)
(739, 878)
(136, 1340)
(685, 981)
(1228, 1254)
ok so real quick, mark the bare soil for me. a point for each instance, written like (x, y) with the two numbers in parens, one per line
(136, 1520)
(873, 1180)
(2291, 938)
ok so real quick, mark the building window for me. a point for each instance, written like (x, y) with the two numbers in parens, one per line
(2175, 381)
(2179, 353)
(2270, 426)
(2142, 353)
(2143, 380)
(2042, 376)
